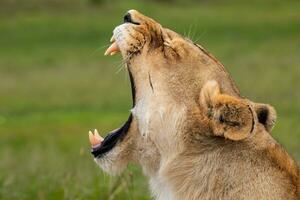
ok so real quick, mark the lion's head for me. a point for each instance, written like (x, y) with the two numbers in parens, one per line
(188, 126)
(167, 73)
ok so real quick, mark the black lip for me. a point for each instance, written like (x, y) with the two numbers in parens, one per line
(112, 138)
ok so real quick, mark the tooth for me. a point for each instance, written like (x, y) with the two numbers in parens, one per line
(113, 48)
(97, 137)
(91, 137)
(112, 39)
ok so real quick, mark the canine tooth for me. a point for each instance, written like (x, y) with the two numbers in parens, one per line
(91, 137)
(113, 48)
(97, 137)
(112, 39)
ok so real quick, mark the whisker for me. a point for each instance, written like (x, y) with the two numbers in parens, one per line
(98, 49)
(200, 36)
(194, 32)
(190, 29)
(120, 68)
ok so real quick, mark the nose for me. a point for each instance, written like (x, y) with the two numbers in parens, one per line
(127, 18)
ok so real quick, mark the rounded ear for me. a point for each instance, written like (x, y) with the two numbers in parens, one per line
(233, 117)
(266, 115)
(230, 117)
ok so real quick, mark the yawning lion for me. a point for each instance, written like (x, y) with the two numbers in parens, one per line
(189, 129)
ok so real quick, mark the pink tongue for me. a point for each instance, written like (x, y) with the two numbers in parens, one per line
(113, 49)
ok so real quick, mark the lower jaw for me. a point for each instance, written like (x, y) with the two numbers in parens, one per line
(111, 140)
(114, 137)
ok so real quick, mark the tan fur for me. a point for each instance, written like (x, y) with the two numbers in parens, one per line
(233, 118)
(192, 133)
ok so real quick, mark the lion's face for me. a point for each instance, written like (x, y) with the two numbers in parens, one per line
(167, 72)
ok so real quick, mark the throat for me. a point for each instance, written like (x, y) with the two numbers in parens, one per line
(142, 112)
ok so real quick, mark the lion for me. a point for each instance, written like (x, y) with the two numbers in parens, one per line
(189, 129)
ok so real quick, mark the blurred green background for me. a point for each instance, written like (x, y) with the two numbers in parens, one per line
(55, 83)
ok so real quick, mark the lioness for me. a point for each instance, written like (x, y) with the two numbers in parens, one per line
(189, 129)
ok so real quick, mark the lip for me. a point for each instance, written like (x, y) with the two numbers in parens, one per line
(116, 136)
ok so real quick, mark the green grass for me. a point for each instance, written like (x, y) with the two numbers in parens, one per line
(55, 85)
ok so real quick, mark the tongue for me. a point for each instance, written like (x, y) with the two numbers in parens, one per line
(113, 49)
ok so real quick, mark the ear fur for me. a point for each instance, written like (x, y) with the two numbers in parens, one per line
(208, 94)
(229, 116)
(266, 115)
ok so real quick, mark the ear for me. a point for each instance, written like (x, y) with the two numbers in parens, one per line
(266, 115)
(208, 95)
(230, 117)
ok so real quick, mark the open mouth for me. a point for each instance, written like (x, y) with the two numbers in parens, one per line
(100, 145)
(106, 144)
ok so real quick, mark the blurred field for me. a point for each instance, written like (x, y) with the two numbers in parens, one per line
(55, 84)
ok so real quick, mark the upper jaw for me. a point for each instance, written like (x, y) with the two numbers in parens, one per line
(122, 41)
(119, 41)
(116, 41)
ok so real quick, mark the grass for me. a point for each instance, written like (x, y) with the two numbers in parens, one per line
(55, 85)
